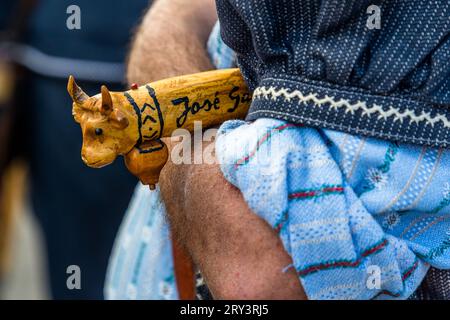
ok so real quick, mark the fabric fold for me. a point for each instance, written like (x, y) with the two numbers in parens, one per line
(344, 206)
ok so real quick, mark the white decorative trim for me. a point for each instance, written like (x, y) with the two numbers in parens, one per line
(263, 92)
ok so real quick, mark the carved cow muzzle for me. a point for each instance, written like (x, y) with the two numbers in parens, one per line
(108, 128)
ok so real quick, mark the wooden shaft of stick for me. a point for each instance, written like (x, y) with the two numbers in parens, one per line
(184, 272)
(132, 123)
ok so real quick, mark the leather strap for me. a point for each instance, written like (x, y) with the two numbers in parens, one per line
(184, 272)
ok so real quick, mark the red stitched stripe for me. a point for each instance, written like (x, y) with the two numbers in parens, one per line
(387, 293)
(408, 273)
(313, 193)
(405, 277)
(344, 264)
(264, 139)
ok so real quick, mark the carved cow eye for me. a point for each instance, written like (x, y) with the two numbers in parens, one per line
(98, 131)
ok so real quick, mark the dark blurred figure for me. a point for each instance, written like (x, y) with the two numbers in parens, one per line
(78, 208)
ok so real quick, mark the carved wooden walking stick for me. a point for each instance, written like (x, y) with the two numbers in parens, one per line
(132, 123)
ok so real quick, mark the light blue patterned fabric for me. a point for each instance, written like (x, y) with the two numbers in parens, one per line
(141, 264)
(343, 205)
(220, 54)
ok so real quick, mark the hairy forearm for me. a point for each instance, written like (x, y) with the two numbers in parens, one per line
(238, 253)
(171, 40)
(241, 257)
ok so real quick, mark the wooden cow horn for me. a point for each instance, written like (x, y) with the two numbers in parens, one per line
(107, 104)
(76, 93)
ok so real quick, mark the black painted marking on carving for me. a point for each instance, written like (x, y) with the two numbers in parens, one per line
(238, 99)
(152, 136)
(147, 105)
(138, 113)
(152, 149)
(152, 94)
(148, 117)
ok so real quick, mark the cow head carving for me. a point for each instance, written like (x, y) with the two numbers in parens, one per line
(108, 124)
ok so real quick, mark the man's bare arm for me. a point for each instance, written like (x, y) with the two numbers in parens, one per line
(172, 40)
(239, 254)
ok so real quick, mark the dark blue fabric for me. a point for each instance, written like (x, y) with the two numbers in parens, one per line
(106, 28)
(6, 8)
(317, 63)
(78, 208)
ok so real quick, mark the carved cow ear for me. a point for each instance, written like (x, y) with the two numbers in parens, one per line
(107, 105)
(76, 93)
(118, 119)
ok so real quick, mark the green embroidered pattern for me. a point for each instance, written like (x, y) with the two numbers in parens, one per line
(377, 177)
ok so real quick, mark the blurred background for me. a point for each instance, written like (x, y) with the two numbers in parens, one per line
(54, 211)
